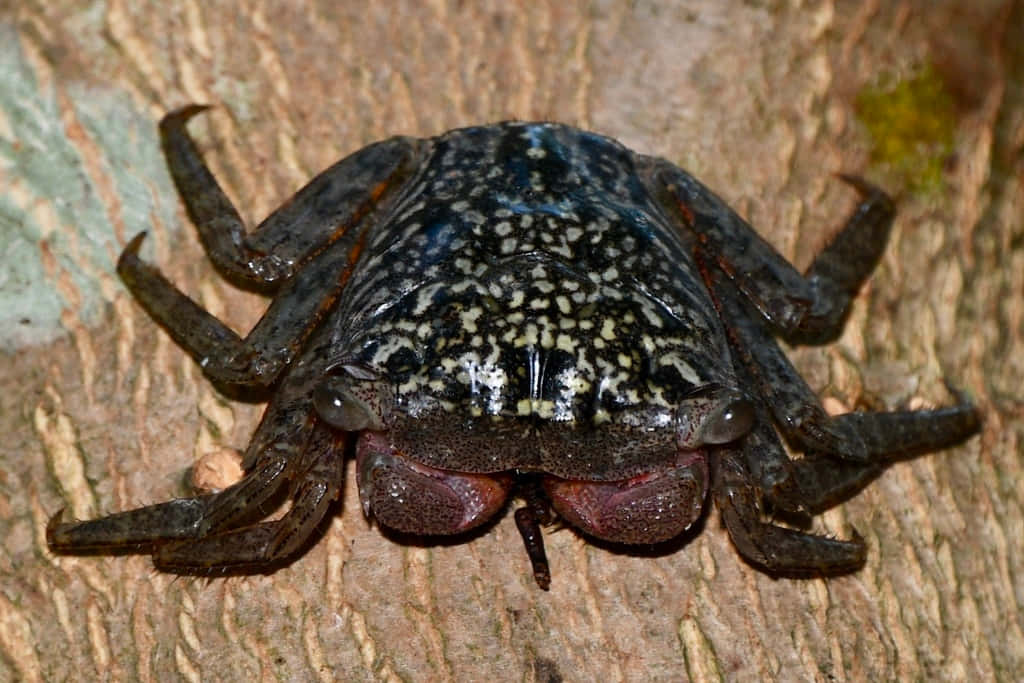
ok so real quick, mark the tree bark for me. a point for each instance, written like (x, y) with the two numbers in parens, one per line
(765, 102)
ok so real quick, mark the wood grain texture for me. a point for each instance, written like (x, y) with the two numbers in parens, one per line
(100, 412)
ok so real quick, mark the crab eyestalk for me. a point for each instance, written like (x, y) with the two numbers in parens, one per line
(720, 417)
(729, 421)
(350, 406)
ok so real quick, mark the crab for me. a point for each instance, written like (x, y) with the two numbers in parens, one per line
(518, 309)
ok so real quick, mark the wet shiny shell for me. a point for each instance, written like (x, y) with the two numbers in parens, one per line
(532, 307)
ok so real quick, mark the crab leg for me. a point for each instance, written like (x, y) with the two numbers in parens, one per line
(227, 359)
(809, 485)
(269, 542)
(176, 519)
(321, 229)
(809, 308)
(272, 461)
(775, 548)
(861, 437)
(321, 213)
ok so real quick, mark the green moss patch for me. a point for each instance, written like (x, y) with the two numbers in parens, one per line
(911, 123)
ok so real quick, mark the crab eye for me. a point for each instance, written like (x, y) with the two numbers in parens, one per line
(731, 421)
(340, 407)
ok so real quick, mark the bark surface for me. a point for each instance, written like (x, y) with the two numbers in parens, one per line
(763, 101)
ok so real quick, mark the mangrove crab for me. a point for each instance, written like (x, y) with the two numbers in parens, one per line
(517, 305)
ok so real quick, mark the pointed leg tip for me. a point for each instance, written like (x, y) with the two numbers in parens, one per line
(962, 396)
(130, 254)
(55, 521)
(856, 181)
(135, 243)
(965, 403)
(177, 118)
(863, 187)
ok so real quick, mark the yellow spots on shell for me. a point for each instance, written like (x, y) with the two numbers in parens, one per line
(542, 408)
(631, 396)
(651, 314)
(391, 346)
(577, 384)
(547, 340)
(656, 396)
(684, 369)
(529, 336)
(544, 286)
(561, 250)
(425, 296)
(647, 342)
(531, 320)
(536, 183)
(408, 386)
(468, 283)
(469, 318)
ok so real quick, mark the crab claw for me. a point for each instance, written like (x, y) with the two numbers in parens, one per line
(650, 508)
(410, 497)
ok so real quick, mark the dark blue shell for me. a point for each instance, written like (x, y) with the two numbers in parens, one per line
(526, 276)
